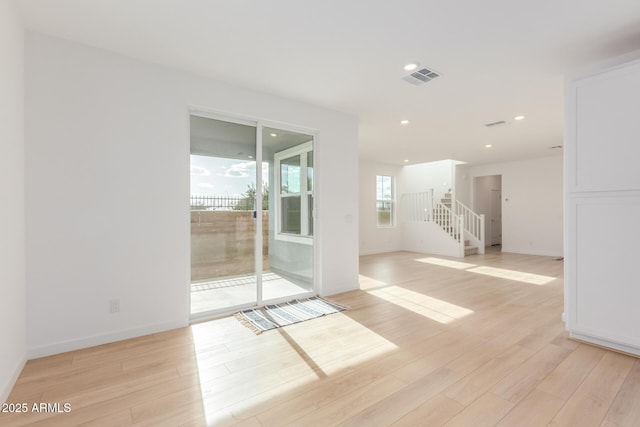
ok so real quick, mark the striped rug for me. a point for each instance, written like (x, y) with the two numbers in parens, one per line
(288, 313)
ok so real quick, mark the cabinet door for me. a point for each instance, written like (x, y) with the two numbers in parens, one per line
(606, 132)
(602, 222)
(606, 286)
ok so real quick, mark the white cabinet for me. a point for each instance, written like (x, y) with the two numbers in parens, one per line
(602, 201)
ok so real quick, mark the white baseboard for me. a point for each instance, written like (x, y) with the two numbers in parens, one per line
(6, 388)
(326, 292)
(624, 348)
(530, 252)
(376, 252)
(423, 251)
(77, 344)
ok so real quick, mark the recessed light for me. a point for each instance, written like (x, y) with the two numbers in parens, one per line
(250, 157)
(518, 118)
(404, 122)
(411, 66)
(488, 146)
(274, 134)
(406, 160)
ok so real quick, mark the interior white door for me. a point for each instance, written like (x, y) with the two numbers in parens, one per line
(496, 217)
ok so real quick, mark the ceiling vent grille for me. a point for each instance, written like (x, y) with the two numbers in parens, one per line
(421, 76)
(501, 122)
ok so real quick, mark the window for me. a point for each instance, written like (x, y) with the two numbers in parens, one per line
(385, 201)
(294, 200)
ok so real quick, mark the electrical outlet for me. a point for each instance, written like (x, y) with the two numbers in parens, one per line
(114, 305)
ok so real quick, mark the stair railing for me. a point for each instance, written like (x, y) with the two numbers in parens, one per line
(422, 207)
(449, 222)
(418, 207)
(473, 224)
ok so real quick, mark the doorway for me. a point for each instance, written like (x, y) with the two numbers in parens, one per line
(487, 197)
(251, 215)
(495, 217)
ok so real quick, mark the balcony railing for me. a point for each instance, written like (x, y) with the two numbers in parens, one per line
(221, 203)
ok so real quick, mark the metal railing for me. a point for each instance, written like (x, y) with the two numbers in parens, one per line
(221, 203)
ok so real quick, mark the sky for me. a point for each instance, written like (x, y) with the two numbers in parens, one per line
(216, 176)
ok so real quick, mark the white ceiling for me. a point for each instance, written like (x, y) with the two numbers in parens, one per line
(498, 59)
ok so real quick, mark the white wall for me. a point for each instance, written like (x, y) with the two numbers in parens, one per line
(108, 191)
(532, 203)
(12, 242)
(462, 185)
(373, 239)
(428, 238)
(425, 176)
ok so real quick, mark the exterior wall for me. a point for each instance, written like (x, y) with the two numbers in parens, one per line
(12, 221)
(107, 144)
(223, 243)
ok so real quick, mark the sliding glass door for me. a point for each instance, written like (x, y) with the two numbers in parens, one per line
(252, 213)
(223, 226)
(291, 212)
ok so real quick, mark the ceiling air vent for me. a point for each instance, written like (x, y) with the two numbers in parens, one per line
(501, 122)
(421, 76)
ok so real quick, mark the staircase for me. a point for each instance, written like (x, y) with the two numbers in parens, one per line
(463, 227)
(468, 248)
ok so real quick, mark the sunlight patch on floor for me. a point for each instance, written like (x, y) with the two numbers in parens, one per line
(293, 368)
(369, 283)
(533, 279)
(446, 263)
(501, 273)
(424, 305)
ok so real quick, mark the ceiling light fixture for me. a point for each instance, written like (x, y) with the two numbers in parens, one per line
(406, 160)
(488, 146)
(411, 66)
(274, 134)
(518, 118)
(404, 122)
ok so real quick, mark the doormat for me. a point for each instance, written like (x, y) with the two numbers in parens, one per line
(275, 316)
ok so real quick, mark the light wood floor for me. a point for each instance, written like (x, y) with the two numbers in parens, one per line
(428, 341)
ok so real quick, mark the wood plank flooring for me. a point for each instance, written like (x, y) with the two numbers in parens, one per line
(428, 341)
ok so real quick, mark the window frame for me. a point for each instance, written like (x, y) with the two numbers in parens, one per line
(392, 202)
(301, 151)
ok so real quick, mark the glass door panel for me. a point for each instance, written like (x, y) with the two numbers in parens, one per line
(288, 268)
(223, 220)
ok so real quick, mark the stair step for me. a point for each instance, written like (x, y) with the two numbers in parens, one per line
(470, 250)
